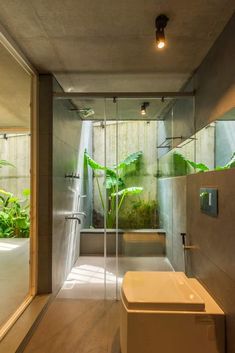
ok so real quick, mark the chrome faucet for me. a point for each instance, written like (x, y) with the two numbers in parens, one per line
(79, 213)
(73, 218)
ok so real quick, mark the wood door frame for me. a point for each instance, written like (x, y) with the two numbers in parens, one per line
(15, 51)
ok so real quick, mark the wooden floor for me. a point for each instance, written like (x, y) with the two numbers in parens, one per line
(78, 326)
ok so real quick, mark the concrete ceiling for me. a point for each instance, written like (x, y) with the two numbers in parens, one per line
(109, 45)
(15, 86)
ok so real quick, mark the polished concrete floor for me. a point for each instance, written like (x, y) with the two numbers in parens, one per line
(14, 275)
(86, 279)
(84, 318)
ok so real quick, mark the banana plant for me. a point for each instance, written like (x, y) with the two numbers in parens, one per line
(114, 183)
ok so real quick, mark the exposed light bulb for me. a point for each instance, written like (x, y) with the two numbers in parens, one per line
(143, 108)
(161, 45)
(160, 38)
(160, 23)
(143, 111)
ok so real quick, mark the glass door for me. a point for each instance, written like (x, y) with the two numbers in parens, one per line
(132, 192)
(132, 209)
(17, 226)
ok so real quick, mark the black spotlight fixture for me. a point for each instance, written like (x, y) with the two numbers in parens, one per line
(143, 108)
(160, 24)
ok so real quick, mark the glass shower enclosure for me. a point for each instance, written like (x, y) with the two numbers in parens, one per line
(127, 183)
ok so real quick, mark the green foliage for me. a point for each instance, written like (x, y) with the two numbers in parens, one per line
(133, 158)
(181, 166)
(128, 191)
(94, 165)
(229, 165)
(200, 166)
(14, 215)
(142, 214)
(114, 179)
(4, 163)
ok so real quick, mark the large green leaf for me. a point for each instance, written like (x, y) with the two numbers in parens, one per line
(5, 193)
(93, 164)
(112, 180)
(4, 163)
(202, 167)
(128, 191)
(132, 158)
(231, 163)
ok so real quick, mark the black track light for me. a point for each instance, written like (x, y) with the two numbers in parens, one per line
(160, 24)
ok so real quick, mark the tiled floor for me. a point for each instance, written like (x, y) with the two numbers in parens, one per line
(14, 275)
(80, 320)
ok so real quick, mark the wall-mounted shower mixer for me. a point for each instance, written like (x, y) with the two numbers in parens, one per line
(187, 247)
(72, 175)
(73, 218)
(79, 213)
(186, 255)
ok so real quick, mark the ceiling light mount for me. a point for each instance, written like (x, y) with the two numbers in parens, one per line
(160, 25)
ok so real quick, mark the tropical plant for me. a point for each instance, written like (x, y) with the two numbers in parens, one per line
(140, 214)
(114, 183)
(181, 164)
(14, 215)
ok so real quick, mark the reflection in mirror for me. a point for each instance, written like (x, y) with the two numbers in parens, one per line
(215, 144)
(211, 148)
(15, 87)
(225, 140)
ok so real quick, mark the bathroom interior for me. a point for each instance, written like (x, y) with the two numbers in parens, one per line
(171, 184)
(135, 242)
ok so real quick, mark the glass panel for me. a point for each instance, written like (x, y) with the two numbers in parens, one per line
(15, 87)
(141, 245)
(98, 236)
(225, 141)
(174, 164)
(112, 188)
(135, 154)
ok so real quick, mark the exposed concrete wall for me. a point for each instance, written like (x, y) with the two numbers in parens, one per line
(172, 202)
(70, 138)
(61, 149)
(214, 80)
(205, 146)
(133, 136)
(214, 262)
(16, 150)
(215, 91)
